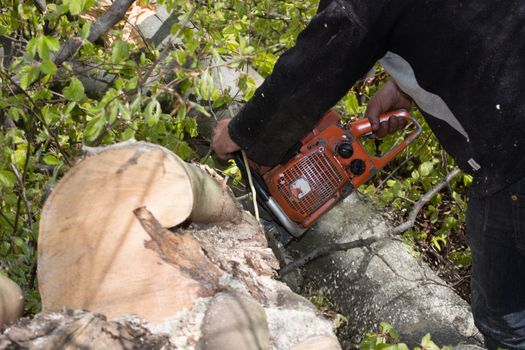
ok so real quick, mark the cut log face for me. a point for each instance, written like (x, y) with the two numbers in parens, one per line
(104, 246)
(91, 245)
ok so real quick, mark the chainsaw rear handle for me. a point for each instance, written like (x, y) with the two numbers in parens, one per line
(363, 127)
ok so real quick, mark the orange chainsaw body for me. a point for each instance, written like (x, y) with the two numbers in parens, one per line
(330, 164)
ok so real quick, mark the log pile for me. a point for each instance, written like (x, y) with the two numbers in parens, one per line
(132, 229)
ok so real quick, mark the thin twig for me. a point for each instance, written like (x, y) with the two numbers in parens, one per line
(37, 115)
(325, 249)
(20, 181)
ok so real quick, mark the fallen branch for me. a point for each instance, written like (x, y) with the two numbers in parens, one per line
(323, 250)
(399, 229)
(112, 16)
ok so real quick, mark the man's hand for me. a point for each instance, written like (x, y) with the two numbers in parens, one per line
(221, 141)
(388, 98)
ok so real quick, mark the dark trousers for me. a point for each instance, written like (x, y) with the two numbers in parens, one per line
(496, 234)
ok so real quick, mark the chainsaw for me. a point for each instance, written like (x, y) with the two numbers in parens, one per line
(324, 167)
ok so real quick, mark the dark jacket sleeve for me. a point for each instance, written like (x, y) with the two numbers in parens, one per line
(334, 51)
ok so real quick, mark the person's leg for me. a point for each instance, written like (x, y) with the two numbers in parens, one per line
(496, 234)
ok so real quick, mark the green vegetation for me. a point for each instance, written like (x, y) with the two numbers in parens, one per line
(48, 113)
(386, 338)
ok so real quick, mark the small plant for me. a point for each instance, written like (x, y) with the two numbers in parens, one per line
(387, 339)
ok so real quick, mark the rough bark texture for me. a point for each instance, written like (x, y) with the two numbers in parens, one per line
(77, 329)
(384, 282)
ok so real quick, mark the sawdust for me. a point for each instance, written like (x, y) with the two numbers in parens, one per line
(184, 328)
(250, 268)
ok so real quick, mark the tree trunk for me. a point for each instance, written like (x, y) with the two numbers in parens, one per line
(105, 246)
(382, 282)
(11, 301)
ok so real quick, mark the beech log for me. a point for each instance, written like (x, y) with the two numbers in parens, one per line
(92, 252)
(11, 301)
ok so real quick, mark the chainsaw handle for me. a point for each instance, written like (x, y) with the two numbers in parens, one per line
(363, 127)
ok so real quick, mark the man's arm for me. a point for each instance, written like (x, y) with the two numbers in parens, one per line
(335, 50)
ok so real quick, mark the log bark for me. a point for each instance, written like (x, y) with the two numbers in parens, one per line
(77, 329)
(105, 245)
(11, 301)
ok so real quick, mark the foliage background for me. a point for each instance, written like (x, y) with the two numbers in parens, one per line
(47, 116)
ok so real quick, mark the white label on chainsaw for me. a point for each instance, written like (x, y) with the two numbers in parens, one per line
(300, 188)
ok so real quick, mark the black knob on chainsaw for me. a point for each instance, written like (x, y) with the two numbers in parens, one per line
(345, 150)
(357, 166)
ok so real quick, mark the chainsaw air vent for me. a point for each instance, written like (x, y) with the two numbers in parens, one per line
(323, 177)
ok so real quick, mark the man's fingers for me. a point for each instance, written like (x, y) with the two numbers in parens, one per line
(221, 142)
(395, 123)
(392, 125)
(382, 130)
(372, 113)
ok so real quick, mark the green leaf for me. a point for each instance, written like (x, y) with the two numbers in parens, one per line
(51, 160)
(124, 112)
(120, 51)
(74, 91)
(426, 168)
(19, 242)
(428, 344)
(52, 43)
(152, 113)
(31, 47)
(387, 328)
(351, 103)
(77, 6)
(48, 67)
(70, 107)
(467, 180)
(94, 127)
(13, 113)
(128, 134)
(135, 105)
(7, 179)
(85, 30)
(30, 77)
(183, 150)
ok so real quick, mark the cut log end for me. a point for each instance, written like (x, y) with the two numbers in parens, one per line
(92, 237)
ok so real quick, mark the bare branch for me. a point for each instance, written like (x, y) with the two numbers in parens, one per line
(421, 203)
(112, 16)
(326, 249)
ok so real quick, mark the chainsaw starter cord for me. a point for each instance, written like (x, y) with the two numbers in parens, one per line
(252, 188)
